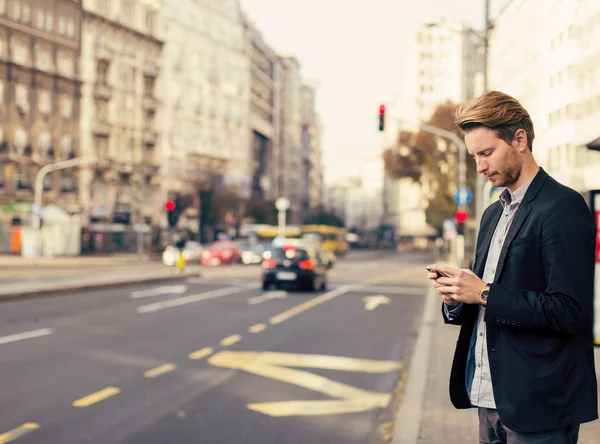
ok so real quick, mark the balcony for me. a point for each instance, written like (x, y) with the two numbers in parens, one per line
(123, 167)
(101, 127)
(150, 102)
(149, 168)
(102, 162)
(102, 91)
(151, 67)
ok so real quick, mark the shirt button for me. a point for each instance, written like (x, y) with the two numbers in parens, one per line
(478, 365)
(481, 334)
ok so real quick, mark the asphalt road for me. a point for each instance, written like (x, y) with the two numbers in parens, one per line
(212, 361)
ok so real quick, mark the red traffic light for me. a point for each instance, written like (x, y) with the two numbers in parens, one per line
(169, 205)
(461, 216)
(381, 109)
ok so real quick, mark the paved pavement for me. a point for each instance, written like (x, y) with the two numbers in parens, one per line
(214, 360)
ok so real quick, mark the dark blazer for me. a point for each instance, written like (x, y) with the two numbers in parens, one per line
(539, 312)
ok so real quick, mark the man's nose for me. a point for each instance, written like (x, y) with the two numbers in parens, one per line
(482, 166)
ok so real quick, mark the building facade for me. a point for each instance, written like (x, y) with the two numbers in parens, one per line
(40, 87)
(263, 114)
(289, 168)
(205, 90)
(312, 170)
(450, 66)
(121, 66)
(556, 80)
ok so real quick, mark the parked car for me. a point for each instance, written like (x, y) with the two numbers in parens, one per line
(252, 253)
(192, 252)
(221, 253)
(294, 266)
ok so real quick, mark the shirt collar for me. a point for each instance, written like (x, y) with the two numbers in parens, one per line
(516, 197)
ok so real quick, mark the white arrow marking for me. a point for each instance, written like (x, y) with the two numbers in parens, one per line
(26, 335)
(266, 296)
(371, 302)
(172, 289)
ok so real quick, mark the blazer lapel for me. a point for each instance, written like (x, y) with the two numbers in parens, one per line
(520, 216)
(483, 245)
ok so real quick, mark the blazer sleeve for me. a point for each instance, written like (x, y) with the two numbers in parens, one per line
(566, 305)
(453, 316)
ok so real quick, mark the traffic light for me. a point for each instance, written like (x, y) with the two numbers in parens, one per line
(381, 117)
(172, 213)
(461, 217)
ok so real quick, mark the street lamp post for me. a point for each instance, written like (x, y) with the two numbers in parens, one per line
(282, 204)
(39, 187)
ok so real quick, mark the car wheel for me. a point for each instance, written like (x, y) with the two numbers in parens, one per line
(266, 286)
(323, 286)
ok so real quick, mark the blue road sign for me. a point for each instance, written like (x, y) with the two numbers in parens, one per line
(463, 195)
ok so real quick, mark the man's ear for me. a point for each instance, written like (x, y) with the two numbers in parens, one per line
(520, 140)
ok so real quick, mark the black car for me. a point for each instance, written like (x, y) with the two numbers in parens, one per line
(297, 267)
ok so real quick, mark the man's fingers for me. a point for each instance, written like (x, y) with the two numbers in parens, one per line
(450, 271)
(447, 290)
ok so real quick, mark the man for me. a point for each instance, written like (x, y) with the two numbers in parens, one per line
(524, 355)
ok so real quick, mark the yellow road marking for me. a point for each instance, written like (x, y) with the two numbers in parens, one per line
(160, 370)
(97, 397)
(257, 328)
(276, 366)
(230, 340)
(308, 305)
(18, 432)
(199, 354)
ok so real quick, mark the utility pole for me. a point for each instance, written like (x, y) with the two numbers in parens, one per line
(482, 192)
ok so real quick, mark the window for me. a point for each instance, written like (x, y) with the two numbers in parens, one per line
(44, 59)
(62, 25)
(44, 142)
(16, 10)
(102, 73)
(21, 140)
(66, 145)
(19, 52)
(26, 14)
(44, 101)
(67, 183)
(48, 182)
(103, 6)
(49, 21)
(22, 96)
(2, 6)
(1, 91)
(66, 106)
(71, 28)
(128, 11)
(149, 82)
(41, 19)
(66, 65)
(150, 21)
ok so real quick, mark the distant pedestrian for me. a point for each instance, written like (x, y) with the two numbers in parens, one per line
(524, 355)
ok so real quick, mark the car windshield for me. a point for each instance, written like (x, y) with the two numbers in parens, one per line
(289, 253)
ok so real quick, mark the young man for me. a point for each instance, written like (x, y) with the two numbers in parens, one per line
(524, 355)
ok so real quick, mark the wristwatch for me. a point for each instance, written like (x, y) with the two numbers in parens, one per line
(485, 292)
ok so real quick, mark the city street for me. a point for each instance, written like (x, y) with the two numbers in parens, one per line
(213, 360)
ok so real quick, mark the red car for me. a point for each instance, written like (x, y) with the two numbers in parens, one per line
(220, 253)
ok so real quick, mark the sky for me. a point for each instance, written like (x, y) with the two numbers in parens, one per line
(361, 54)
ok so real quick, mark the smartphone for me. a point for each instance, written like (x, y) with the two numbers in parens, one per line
(439, 273)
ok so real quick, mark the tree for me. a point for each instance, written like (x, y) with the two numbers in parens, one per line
(262, 211)
(404, 159)
(322, 217)
(440, 166)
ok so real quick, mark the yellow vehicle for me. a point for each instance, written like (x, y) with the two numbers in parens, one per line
(332, 239)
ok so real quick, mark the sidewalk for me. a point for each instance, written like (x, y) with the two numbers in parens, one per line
(438, 421)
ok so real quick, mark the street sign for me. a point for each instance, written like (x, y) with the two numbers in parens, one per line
(463, 195)
(36, 209)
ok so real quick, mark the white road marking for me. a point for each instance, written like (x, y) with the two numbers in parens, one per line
(371, 302)
(195, 298)
(169, 289)
(391, 290)
(267, 296)
(26, 335)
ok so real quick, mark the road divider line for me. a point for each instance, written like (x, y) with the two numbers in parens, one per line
(97, 397)
(202, 353)
(195, 298)
(18, 432)
(309, 304)
(230, 340)
(160, 370)
(257, 328)
(26, 335)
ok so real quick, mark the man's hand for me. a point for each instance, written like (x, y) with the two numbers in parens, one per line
(460, 285)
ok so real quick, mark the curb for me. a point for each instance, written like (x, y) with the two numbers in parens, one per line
(407, 426)
(60, 289)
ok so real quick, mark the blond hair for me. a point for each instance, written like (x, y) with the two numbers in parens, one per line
(499, 112)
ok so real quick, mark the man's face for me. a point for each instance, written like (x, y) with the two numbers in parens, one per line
(500, 162)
